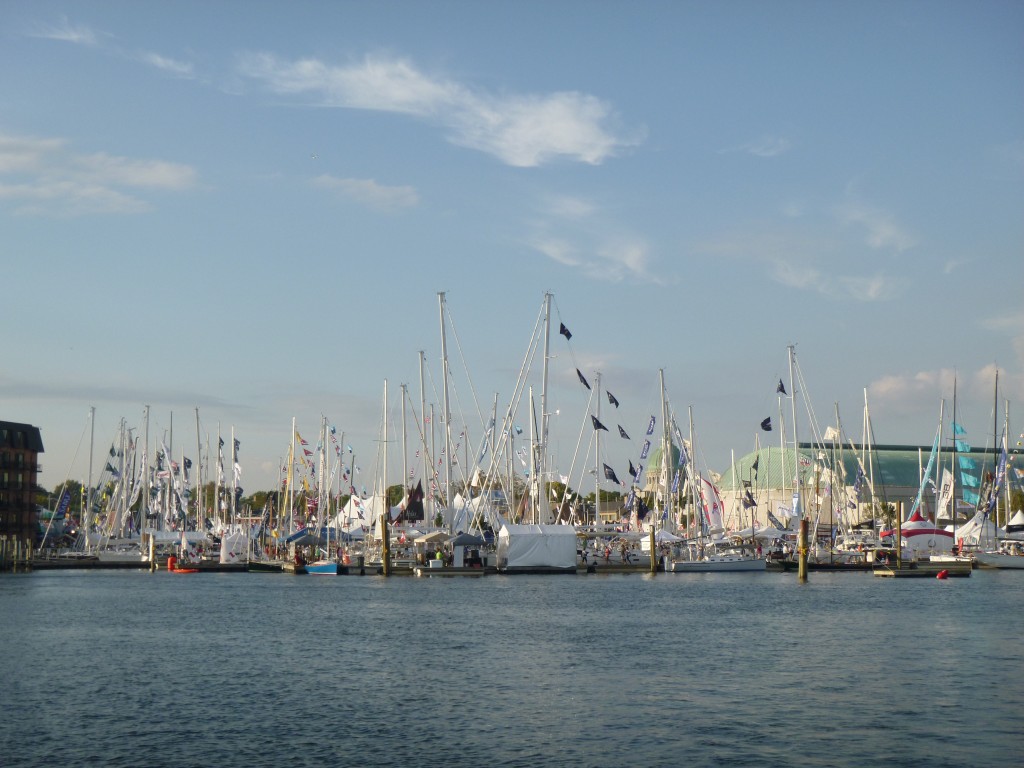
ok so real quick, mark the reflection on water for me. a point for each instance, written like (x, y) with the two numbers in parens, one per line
(128, 669)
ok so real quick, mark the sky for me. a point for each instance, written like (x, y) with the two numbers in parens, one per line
(248, 210)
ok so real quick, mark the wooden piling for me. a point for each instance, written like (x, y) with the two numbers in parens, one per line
(802, 552)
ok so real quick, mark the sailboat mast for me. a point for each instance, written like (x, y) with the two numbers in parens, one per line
(599, 471)
(446, 415)
(953, 471)
(424, 423)
(87, 513)
(796, 445)
(199, 473)
(385, 550)
(544, 388)
(666, 450)
(405, 445)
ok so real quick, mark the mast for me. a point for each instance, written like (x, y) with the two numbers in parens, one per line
(424, 422)
(234, 476)
(599, 470)
(953, 470)
(87, 516)
(796, 445)
(199, 473)
(446, 415)
(666, 450)
(405, 449)
(385, 550)
(543, 443)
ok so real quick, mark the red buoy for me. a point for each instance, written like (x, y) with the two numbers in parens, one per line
(943, 574)
(172, 563)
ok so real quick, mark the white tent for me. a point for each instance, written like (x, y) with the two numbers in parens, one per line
(977, 532)
(536, 546)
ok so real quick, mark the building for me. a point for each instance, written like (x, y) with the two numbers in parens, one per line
(891, 478)
(20, 446)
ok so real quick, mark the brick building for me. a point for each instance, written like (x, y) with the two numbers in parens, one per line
(20, 446)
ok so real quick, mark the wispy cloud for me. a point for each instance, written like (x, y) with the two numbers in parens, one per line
(907, 391)
(66, 32)
(764, 146)
(523, 130)
(182, 69)
(882, 230)
(42, 176)
(369, 192)
(574, 233)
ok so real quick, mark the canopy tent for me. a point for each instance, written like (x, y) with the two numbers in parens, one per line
(536, 546)
(1016, 523)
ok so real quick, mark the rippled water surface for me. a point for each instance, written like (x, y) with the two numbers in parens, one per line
(137, 669)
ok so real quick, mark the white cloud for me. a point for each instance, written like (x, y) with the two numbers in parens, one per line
(520, 130)
(369, 192)
(67, 32)
(570, 207)
(41, 177)
(882, 230)
(181, 69)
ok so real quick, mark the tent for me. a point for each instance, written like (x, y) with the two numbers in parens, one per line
(464, 545)
(536, 546)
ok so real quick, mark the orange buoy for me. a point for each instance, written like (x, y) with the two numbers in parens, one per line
(943, 574)
(172, 562)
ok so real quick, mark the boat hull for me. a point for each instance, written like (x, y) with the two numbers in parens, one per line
(1000, 561)
(719, 565)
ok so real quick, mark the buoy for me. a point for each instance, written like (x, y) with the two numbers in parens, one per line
(172, 563)
(943, 574)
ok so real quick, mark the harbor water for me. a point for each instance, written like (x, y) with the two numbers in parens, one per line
(118, 668)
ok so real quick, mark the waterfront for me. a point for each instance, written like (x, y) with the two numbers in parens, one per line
(134, 668)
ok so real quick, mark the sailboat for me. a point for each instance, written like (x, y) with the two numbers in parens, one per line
(709, 551)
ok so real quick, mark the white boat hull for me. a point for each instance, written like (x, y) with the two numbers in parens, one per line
(999, 560)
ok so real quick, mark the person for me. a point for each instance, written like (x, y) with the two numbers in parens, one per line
(439, 555)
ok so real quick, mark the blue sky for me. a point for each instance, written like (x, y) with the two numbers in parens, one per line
(249, 208)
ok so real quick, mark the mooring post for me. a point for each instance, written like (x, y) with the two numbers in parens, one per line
(802, 550)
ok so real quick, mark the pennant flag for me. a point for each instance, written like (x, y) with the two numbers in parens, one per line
(781, 388)
(650, 426)
(610, 474)
(112, 451)
(766, 425)
(645, 449)
(622, 433)
(958, 430)
(641, 509)
(564, 331)
(632, 470)
(753, 466)
(583, 381)
(748, 500)
(611, 399)
(598, 424)
(220, 440)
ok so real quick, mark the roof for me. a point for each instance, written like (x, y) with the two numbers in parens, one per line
(33, 438)
(888, 465)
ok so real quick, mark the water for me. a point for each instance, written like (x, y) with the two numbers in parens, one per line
(137, 669)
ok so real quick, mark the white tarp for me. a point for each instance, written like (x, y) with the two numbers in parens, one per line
(536, 546)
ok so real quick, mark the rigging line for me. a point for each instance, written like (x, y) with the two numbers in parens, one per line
(465, 366)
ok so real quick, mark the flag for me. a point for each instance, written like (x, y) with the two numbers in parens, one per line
(748, 500)
(753, 466)
(564, 331)
(622, 433)
(645, 449)
(582, 379)
(641, 509)
(774, 520)
(632, 470)
(766, 425)
(958, 430)
(831, 435)
(519, 430)
(611, 399)
(610, 474)
(781, 388)
(650, 426)
(598, 424)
